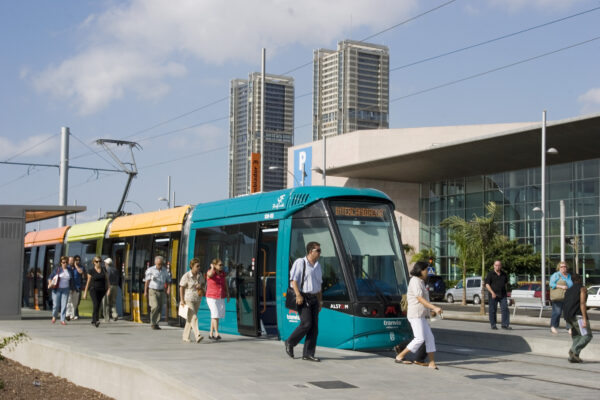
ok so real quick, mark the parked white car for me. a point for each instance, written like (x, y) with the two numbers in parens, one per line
(474, 284)
(593, 299)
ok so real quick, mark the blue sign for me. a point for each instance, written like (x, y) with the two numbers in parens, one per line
(430, 271)
(303, 166)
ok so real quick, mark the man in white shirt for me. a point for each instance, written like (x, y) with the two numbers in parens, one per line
(309, 298)
(156, 285)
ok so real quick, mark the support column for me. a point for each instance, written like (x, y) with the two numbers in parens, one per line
(63, 188)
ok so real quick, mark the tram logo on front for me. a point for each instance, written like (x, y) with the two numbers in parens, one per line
(279, 203)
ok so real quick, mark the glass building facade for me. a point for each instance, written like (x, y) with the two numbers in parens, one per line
(517, 193)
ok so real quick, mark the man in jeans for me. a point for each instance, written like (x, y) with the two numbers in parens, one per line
(75, 294)
(156, 280)
(110, 300)
(496, 282)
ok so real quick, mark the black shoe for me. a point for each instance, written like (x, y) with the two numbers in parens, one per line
(495, 328)
(508, 328)
(289, 350)
(97, 324)
(155, 327)
(311, 358)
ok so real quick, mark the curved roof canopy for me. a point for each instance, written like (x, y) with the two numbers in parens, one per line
(87, 231)
(170, 220)
(46, 237)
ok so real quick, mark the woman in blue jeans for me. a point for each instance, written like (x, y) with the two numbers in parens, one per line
(61, 282)
(560, 281)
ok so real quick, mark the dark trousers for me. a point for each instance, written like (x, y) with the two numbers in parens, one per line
(503, 308)
(309, 326)
(96, 296)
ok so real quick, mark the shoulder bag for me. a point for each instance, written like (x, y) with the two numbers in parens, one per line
(290, 297)
(54, 282)
(558, 294)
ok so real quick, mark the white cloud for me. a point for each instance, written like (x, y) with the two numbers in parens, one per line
(129, 47)
(590, 100)
(516, 5)
(32, 146)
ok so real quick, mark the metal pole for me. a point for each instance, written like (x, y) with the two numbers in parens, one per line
(262, 121)
(562, 230)
(324, 159)
(63, 173)
(543, 173)
(169, 191)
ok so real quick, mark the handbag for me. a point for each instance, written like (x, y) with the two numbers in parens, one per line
(290, 297)
(558, 294)
(54, 282)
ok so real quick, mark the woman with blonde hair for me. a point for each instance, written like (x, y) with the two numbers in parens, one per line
(191, 290)
(216, 292)
(560, 281)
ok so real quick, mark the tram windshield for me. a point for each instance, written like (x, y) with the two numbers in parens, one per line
(372, 247)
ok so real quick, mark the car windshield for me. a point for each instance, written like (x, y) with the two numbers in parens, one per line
(372, 247)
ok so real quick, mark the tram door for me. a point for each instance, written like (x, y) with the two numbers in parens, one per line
(250, 278)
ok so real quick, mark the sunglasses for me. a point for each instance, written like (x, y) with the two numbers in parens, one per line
(317, 250)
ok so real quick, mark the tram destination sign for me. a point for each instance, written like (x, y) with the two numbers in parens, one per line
(361, 212)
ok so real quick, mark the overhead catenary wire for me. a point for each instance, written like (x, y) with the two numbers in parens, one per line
(32, 147)
(506, 36)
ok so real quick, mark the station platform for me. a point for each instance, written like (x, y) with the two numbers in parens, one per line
(126, 360)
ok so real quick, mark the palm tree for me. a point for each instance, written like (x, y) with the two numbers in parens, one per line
(487, 233)
(462, 233)
(423, 255)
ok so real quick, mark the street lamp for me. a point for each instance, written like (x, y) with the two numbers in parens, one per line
(319, 170)
(277, 167)
(542, 209)
(165, 200)
(136, 203)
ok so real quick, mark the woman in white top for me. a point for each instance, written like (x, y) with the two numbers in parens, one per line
(418, 313)
(191, 290)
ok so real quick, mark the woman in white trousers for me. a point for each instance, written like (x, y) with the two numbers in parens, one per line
(418, 314)
(191, 289)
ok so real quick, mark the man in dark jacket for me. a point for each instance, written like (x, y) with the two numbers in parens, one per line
(575, 313)
(496, 282)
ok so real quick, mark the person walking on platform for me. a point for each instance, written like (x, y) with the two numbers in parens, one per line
(191, 289)
(110, 300)
(61, 282)
(575, 313)
(496, 282)
(309, 299)
(560, 281)
(98, 280)
(156, 284)
(216, 292)
(418, 304)
(75, 294)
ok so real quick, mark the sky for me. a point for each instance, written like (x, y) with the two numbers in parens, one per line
(158, 73)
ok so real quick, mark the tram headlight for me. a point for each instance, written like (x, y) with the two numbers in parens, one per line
(364, 310)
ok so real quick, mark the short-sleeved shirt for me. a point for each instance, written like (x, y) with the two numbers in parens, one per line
(215, 286)
(188, 282)
(63, 279)
(313, 276)
(558, 276)
(497, 282)
(98, 279)
(157, 278)
(416, 288)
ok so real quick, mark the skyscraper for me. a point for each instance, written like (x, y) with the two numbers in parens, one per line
(245, 128)
(351, 88)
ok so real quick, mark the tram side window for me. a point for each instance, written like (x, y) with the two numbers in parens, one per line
(233, 244)
(306, 230)
(86, 250)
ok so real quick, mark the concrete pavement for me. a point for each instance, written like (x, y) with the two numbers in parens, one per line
(127, 360)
